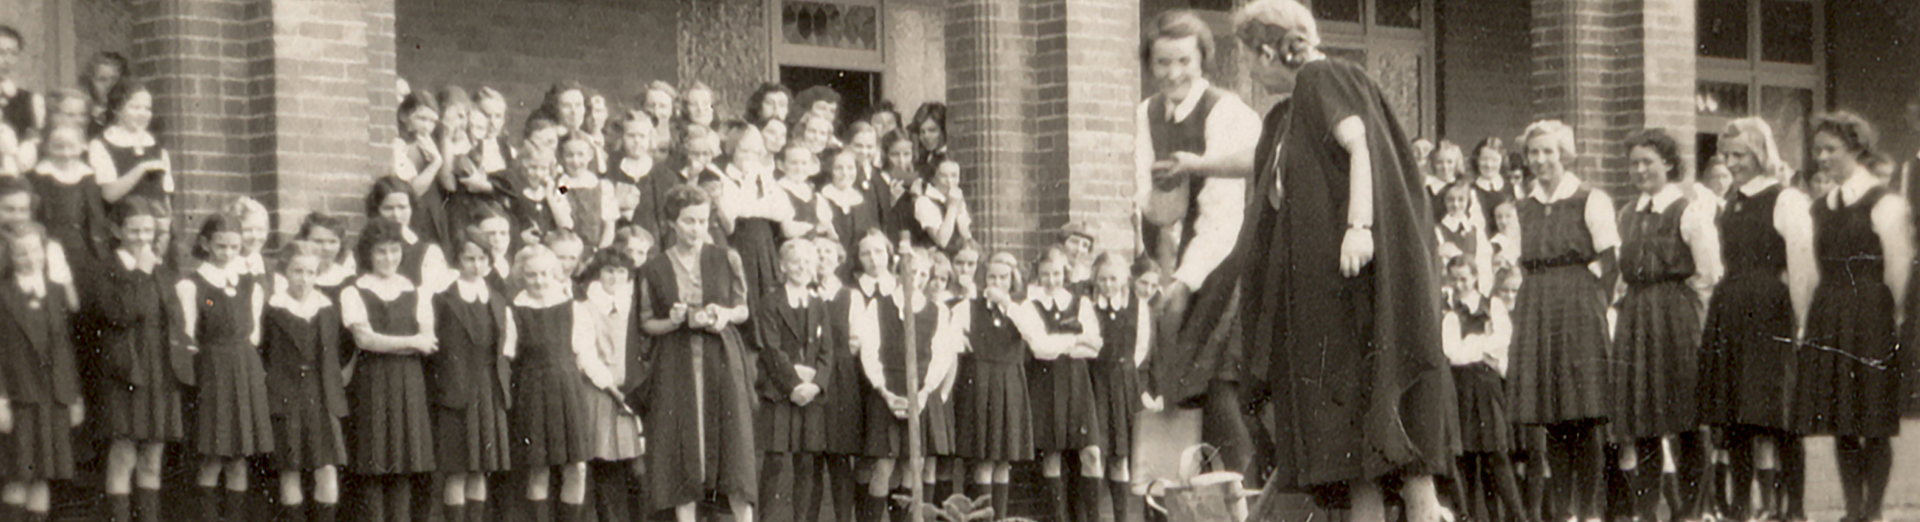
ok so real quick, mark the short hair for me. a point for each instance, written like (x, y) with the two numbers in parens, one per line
(297, 249)
(378, 231)
(1144, 264)
(872, 234)
(816, 94)
(1853, 132)
(540, 122)
(693, 87)
(1111, 258)
(523, 261)
(696, 133)
(604, 259)
(322, 220)
(1269, 22)
(859, 127)
(1498, 146)
(886, 144)
(1174, 25)
(1443, 147)
(634, 116)
(388, 186)
(759, 97)
(488, 94)
(134, 205)
(660, 86)
(682, 197)
(1664, 145)
(415, 101)
(1560, 135)
(1756, 135)
(118, 96)
(214, 224)
(884, 107)
(17, 231)
(564, 235)
(828, 244)
(798, 246)
(245, 207)
(1006, 259)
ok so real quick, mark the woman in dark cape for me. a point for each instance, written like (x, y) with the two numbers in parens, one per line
(1351, 347)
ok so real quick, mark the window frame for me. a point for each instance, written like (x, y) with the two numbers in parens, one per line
(1757, 74)
(786, 54)
(1371, 36)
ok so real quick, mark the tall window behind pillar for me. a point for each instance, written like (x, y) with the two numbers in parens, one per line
(1762, 58)
(1393, 39)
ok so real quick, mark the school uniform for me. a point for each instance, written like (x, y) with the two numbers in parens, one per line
(1476, 334)
(469, 379)
(1124, 328)
(392, 427)
(136, 395)
(994, 411)
(593, 206)
(38, 378)
(600, 344)
(301, 349)
(1851, 386)
(929, 210)
(112, 159)
(1064, 414)
(1668, 239)
(233, 416)
(629, 179)
(792, 329)
(17, 108)
(69, 204)
(757, 206)
(1468, 240)
(548, 421)
(884, 344)
(1560, 370)
(429, 209)
(531, 208)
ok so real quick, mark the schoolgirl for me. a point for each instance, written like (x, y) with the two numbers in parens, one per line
(768, 102)
(844, 399)
(930, 128)
(628, 172)
(219, 324)
(1475, 332)
(616, 430)
(791, 328)
(300, 346)
(69, 202)
(327, 233)
(535, 208)
(1065, 417)
(468, 380)
(881, 333)
(137, 394)
(660, 103)
(1118, 390)
(391, 321)
(757, 206)
(843, 208)
(593, 205)
(421, 260)
(41, 400)
(940, 213)
(418, 161)
(1461, 235)
(549, 419)
(125, 157)
(993, 407)
(254, 223)
(1490, 187)
(20, 109)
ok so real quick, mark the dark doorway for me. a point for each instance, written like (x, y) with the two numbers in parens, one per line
(859, 90)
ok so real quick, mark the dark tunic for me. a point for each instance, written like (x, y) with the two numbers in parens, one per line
(392, 428)
(699, 406)
(429, 209)
(1168, 136)
(549, 421)
(757, 240)
(586, 203)
(135, 391)
(469, 381)
(233, 416)
(993, 410)
(852, 223)
(17, 111)
(786, 337)
(75, 216)
(1657, 340)
(303, 363)
(1481, 390)
(1559, 370)
(1116, 377)
(462, 203)
(526, 213)
(1849, 386)
(1360, 382)
(41, 384)
(1463, 239)
(1064, 415)
(846, 387)
(1490, 200)
(125, 158)
(887, 434)
(1747, 352)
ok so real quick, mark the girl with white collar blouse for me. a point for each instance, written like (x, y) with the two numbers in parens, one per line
(219, 324)
(1060, 385)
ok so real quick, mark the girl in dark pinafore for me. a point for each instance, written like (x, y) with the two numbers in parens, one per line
(1065, 419)
(301, 348)
(467, 378)
(138, 394)
(1849, 374)
(1118, 393)
(219, 324)
(549, 421)
(39, 386)
(391, 321)
(125, 157)
(881, 329)
(992, 405)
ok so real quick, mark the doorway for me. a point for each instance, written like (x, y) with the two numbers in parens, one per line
(859, 90)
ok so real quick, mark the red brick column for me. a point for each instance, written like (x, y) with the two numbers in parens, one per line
(1610, 68)
(1041, 96)
(289, 101)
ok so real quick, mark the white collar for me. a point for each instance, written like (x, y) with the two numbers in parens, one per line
(1758, 184)
(1472, 305)
(798, 187)
(876, 286)
(127, 260)
(932, 193)
(827, 288)
(7, 88)
(637, 168)
(471, 292)
(304, 309)
(33, 285)
(1659, 200)
(1055, 300)
(119, 137)
(256, 264)
(1180, 112)
(225, 276)
(846, 198)
(587, 182)
(385, 288)
(1109, 304)
(502, 265)
(527, 300)
(1855, 187)
(1455, 224)
(1566, 189)
(797, 296)
(1490, 183)
(70, 176)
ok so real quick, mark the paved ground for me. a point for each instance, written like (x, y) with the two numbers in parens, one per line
(1903, 498)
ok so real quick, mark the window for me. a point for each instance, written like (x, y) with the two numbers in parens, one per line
(832, 34)
(1393, 39)
(1761, 58)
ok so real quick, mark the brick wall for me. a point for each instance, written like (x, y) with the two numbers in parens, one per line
(1610, 68)
(522, 47)
(1086, 69)
(987, 81)
(195, 57)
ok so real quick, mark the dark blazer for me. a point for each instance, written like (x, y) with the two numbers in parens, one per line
(290, 360)
(785, 337)
(456, 378)
(36, 351)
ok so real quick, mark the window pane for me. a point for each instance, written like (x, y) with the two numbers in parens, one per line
(1786, 31)
(1397, 13)
(1787, 110)
(1336, 10)
(824, 24)
(1720, 99)
(1723, 28)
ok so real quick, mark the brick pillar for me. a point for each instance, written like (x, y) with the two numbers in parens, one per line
(288, 101)
(1041, 96)
(1610, 68)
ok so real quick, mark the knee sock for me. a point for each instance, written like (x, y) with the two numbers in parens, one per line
(1002, 500)
(610, 490)
(845, 491)
(1876, 464)
(1741, 469)
(1057, 497)
(542, 510)
(400, 496)
(453, 512)
(975, 491)
(119, 508)
(1092, 501)
(568, 512)
(1124, 503)
(1847, 455)
(147, 503)
(322, 512)
(1793, 478)
(237, 506)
